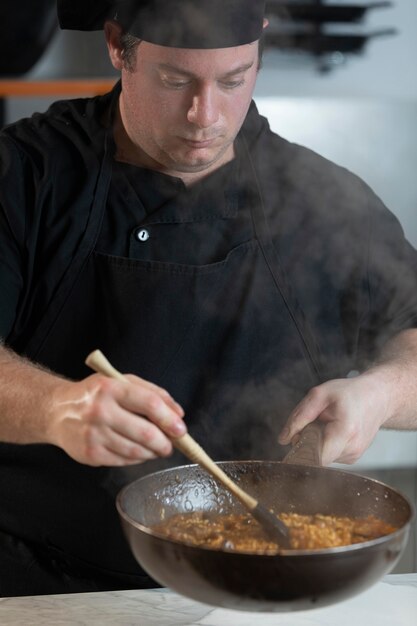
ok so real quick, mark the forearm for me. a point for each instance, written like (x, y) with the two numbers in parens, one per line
(396, 369)
(97, 421)
(26, 399)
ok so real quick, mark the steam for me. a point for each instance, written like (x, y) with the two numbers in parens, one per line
(348, 269)
(351, 280)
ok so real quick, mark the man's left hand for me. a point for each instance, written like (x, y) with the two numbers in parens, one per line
(351, 410)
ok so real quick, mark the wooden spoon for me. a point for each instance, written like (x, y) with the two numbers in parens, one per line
(273, 526)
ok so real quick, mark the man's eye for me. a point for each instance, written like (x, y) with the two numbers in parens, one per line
(175, 84)
(232, 84)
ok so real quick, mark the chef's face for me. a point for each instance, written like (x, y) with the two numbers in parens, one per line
(181, 109)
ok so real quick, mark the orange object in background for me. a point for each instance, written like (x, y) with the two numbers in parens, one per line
(68, 87)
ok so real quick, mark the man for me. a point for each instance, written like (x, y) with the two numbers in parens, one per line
(238, 277)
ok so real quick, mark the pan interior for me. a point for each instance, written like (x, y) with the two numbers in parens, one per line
(281, 487)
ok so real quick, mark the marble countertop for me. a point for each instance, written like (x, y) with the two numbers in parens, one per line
(392, 602)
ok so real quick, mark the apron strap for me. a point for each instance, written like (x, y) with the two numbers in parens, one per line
(85, 249)
(264, 236)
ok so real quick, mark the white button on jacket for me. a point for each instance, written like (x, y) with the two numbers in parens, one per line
(142, 235)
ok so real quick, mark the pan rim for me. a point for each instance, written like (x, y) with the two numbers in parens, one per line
(351, 548)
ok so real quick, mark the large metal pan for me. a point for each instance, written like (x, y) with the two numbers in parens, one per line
(291, 580)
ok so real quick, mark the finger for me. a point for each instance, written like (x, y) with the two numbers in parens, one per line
(108, 458)
(135, 431)
(132, 451)
(103, 443)
(346, 459)
(309, 409)
(335, 443)
(165, 395)
(145, 401)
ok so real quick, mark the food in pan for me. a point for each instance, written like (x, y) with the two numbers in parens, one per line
(242, 533)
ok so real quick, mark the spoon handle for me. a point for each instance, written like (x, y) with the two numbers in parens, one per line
(191, 449)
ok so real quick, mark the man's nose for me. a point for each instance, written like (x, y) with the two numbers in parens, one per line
(203, 111)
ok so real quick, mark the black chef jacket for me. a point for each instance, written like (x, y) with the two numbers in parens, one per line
(347, 275)
(342, 251)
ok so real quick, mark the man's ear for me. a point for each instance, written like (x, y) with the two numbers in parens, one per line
(266, 23)
(113, 33)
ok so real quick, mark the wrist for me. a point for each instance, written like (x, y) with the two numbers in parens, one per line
(386, 385)
(54, 410)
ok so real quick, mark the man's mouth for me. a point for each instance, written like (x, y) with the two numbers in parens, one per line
(200, 143)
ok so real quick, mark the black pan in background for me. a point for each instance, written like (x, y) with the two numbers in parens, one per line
(322, 43)
(292, 580)
(26, 30)
(313, 12)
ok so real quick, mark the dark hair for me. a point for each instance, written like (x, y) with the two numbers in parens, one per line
(129, 44)
(261, 51)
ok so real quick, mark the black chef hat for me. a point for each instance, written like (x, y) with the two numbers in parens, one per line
(174, 23)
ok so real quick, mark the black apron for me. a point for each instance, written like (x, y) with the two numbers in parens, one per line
(227, 340)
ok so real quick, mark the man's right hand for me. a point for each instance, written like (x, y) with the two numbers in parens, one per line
(96, 421)
(102, 421)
